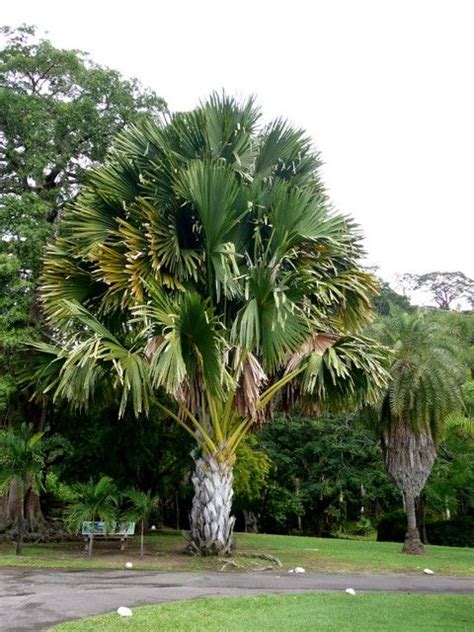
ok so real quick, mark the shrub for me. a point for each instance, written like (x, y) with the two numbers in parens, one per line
(456, 532)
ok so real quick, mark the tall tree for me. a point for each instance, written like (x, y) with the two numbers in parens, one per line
(58, 113)
(202, 261)
(444, 287)
(425, 387)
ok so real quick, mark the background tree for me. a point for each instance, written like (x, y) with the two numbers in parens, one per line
(140, 507)
(58, 113)
(444, 287)
(326, 471)
(21, 466)
(425, 387)
(202, 260)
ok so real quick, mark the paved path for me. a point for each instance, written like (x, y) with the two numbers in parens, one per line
(35, 600)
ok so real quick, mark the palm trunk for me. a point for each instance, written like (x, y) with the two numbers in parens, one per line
(211, 522)
(91, 542)
(409, 458)
(141, 539)
(19, 539)
(412, 543)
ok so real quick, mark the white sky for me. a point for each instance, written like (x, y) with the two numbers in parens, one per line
(384, 87)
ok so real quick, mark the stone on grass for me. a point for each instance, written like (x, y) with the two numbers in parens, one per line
(428, 571)
(123, 611)
(128, 565)
(350, 591)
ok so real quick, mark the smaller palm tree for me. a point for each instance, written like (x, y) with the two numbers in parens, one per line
(21, 463)
(94, 501)
(424, 391)
(141, 505)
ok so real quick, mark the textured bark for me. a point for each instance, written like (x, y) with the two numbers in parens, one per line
(211, 522)
(251, 521)
(13, 506)
(409, 458)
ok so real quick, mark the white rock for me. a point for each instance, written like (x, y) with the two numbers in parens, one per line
(124, 612)
(299, 569)
(153, 528)
(129, 565)
(350, 591)
(291, 570)
(428, 571)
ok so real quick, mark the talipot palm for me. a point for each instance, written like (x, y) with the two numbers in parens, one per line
(203, 264)
(424, 391)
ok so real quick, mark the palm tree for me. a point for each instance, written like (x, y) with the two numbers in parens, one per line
(21, 466)
(423, 392)
(142, 504)
(203, 264)
(94, 501)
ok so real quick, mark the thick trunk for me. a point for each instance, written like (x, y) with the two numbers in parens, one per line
(409, 458)
(211, 522)
(12, 505)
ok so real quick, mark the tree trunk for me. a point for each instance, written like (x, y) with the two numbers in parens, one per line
(412, 543)
(141, 539)
(211, 522)
(409, 458)
(251, 521)
(19, 538)
(12, 505)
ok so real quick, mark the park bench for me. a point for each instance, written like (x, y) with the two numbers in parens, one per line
(114, 531)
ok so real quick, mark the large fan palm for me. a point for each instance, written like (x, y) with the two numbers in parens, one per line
(425, 389)
(203, 260)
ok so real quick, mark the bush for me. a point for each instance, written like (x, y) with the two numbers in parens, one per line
(456, 532)
(392, 527)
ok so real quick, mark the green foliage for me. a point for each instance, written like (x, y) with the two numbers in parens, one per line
(21, 458)
(392, 527)
(95, 500)
(427, 372)
(324, 470)
(139, 505)
(250, 473)
(58, 113)
(457, 532)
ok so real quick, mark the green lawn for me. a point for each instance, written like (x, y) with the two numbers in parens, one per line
(165, 552)
(311, 611)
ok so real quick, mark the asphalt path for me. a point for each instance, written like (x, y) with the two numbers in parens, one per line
(38, 599)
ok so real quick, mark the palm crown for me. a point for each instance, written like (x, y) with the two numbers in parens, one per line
(216, 241)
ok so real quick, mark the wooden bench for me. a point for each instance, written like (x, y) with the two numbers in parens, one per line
(115, 531)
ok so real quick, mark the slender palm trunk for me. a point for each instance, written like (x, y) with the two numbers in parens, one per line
(19, 539)
(91, 542)
(141, 539)
(211, 522)
(412, 543)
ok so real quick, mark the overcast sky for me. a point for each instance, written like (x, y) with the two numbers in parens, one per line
(385, 89)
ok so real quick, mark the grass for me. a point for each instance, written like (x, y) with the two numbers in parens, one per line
(165, 552)
(390, 612)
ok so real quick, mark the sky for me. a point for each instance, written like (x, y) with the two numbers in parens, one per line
(384, 88)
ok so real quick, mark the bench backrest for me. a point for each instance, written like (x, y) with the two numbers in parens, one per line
(115, 528)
